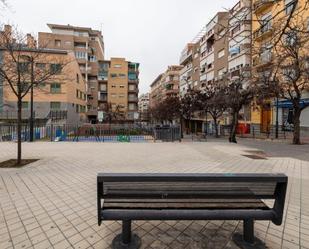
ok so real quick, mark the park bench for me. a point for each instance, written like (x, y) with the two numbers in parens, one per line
(128, 197)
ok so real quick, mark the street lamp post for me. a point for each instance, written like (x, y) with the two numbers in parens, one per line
(31, 103)
(277, 117)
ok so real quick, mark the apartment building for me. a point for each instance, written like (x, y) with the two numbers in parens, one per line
(269, 15)
(165, 85)
(88, 47)
(143, 107)
(155, 96)
(189, 74)
(170, 81)
(60, 99)
(118, 87)
(214, 50)
(239, 43)
(205, 61)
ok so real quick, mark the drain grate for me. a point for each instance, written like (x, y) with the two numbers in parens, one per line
(255, 157)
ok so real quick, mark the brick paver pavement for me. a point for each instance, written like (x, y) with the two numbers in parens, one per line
(52, 203)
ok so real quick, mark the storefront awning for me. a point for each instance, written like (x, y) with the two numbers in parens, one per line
(288, 104)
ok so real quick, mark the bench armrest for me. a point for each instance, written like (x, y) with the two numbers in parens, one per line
(99, 197)
(280, 193)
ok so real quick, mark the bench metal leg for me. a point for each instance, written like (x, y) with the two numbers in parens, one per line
(126, 231)
(247, 239)
(249, 231)
(126, 240)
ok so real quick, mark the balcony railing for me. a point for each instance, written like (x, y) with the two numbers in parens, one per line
(262, 32)
(133, 99)
(263, 59)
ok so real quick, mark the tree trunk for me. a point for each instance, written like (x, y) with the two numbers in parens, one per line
(296, 122)
(181, 127)
(19, 124)
(232, 138)
(216, 127)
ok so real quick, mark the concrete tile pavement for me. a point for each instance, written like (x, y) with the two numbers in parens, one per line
(52, 203)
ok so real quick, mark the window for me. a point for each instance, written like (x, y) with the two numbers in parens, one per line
(55, 88)
(131, 87)
(289, 74)
(236, 29)
(55, 68)
(77, 93)
(266, 22)
(58, 43)
(55, 105)
(132, 107)
(24, 105)
(221, 53)
(113, 95)
(121, 95)
(41, 66)
(113, 86)
(23, 67)
(77, 78)
(121, 86)
(113, 75)
(121, 75)
(103, 87)
(117, 66)
(289, 6)
(80, 55)
(92, 58)
(290, 38)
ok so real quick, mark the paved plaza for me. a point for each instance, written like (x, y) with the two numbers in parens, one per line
(52, 202)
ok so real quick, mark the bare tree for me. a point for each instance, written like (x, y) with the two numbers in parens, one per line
(24, 66)
(190, 103)
(287, 76)
(213, 101)
(167, 110)
(113, 113)
(238, 93)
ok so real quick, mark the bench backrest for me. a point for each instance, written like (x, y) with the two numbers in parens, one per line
(235, 186)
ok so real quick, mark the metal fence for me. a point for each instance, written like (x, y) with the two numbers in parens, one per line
(256, 132)
(167, 134)
(92, 133)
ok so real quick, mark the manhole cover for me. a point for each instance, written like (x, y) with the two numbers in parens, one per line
(255, 157)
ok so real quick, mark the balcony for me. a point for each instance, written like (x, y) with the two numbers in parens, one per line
(185, 57)
(132, 99)
(263, 60)
(92, 112)
(103, 76)
(263, 32)
(261, 5)
(133, 90)
(133, 81)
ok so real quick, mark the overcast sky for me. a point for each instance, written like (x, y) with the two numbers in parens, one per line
(152, 32)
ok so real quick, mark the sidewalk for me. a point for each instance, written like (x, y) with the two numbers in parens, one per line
(52, 203)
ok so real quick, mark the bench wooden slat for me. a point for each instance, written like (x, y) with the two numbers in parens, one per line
(189, 200)
(184, 205)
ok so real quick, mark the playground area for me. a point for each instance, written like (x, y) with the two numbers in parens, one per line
(92, 133)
